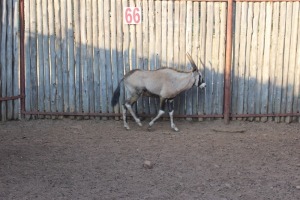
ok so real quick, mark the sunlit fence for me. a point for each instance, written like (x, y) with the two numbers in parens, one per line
(77, 51)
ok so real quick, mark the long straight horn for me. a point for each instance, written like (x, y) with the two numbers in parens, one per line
(195, 68)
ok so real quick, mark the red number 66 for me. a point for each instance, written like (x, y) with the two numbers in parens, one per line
(132, 15)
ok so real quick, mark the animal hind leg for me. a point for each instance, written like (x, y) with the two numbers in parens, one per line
(124, 109)
(160, 112)
(171, 113)
(128, 104)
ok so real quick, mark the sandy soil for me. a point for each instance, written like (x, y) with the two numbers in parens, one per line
(94, 159)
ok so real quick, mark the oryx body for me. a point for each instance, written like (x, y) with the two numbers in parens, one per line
(165, 83)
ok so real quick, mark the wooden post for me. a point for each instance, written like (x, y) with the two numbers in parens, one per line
(279, 59)
(145, 23)
(266, 64)
(292, 63)
(139, 54)
(188, 47)
(120, 61)
(114, 61)
(46, 56)
(77, 54)
(241, 60)
(58, 53)
(9, 59)
(215, 58)
(227, 95)
(40, 57)
(33, 56)
(64, 50)
(89, 57)
(3, 59)
(202, 40)
(194, 53)
(222, 55)
(70, 47)
(152, 49)
(96, 54)
(273, 61)
(22, 56)
(53, 86)
(16, 58)
(102, 58)
(182, 51)
(209, 73)
(109, 83)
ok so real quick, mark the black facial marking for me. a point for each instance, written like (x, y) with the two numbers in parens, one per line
(199, 81)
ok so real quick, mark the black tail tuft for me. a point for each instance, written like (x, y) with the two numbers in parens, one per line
(116, 96)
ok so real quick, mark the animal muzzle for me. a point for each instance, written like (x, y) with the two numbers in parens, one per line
(202, 85)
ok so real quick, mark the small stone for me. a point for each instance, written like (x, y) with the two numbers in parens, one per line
(147, 164)
(298, 187)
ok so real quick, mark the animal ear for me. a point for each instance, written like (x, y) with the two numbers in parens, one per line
(195, 68)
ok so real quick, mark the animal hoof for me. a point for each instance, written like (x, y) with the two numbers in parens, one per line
(175, 129)
(140, 124)
(127, 127)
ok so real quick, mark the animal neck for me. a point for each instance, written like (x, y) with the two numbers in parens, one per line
(185, 81)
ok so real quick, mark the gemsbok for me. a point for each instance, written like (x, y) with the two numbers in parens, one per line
(165, 83)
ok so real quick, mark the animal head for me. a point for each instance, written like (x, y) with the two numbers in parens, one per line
(199, 80)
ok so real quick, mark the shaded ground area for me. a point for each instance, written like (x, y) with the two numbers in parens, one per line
(93, 159)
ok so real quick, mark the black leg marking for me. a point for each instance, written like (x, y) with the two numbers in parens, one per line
(170, 105)
(162, 103)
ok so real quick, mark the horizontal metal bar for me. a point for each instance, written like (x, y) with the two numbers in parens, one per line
(148, 115)
(234, 0)
(265, 115)
(114, 114)
(266, 0)
(10, 98)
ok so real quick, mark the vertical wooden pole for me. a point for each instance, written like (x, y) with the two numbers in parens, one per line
(27, 71)
(52, 63)
(71, 58)
(3, 60)
(89, 57)
(40, 58)
(9, 59)
(58, 54)
(47, 72)
(228, 63)
(96, 55)
(22, 58)
(77, 54)
(16, 59)
(64, 55)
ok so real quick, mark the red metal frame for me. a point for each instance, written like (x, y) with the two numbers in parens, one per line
(227, 75)
(227, 80)
(22, 72)
(22, 55)
(10, 98)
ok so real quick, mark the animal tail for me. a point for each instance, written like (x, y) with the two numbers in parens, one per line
(116, 96)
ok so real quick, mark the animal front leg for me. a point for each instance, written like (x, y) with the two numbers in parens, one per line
(171, 113)
(160, 112)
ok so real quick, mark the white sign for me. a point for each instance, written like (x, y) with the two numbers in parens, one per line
(132, 15)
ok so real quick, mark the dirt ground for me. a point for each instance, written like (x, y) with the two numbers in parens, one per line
(96, 159)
